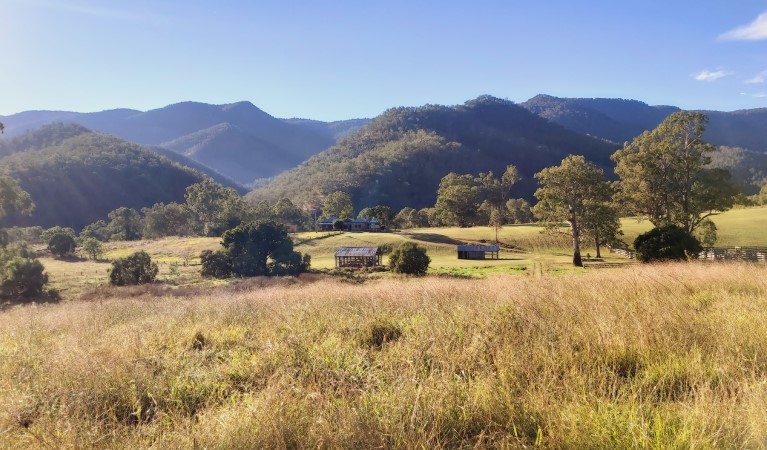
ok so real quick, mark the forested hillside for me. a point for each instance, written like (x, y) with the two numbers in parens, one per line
(621, 120)
(81, 177)
(748, 168)
(399, 158)
(237, 140)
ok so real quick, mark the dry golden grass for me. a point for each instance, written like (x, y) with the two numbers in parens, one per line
(667, 356)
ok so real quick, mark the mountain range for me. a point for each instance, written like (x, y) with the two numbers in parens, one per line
(399, 158)
(619, 120)
(237, 140)
(396, 158)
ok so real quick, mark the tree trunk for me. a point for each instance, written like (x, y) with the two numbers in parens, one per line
(577, 261)
(597, 243)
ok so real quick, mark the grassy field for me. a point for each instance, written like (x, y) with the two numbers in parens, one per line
(737, 227)
(666, 356)
(526, 250)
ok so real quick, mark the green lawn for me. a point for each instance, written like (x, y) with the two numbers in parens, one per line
(737, 227)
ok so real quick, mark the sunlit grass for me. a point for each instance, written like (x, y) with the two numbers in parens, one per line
(737, 227)
(668, 356)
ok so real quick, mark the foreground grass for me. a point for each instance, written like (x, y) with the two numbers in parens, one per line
(671, 356)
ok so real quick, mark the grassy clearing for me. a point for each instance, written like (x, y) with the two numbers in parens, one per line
(668, 356)
(737, 227)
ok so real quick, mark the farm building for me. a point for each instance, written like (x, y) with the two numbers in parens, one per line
(357, 257)
(478, 251)
(362, 224)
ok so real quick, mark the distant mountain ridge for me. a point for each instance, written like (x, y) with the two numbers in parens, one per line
(237, 140)
(619, 120)
(399, 157)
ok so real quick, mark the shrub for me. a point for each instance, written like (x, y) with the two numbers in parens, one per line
(666, 243)
(22, 278)
(339, 225)
(215, 264)
(92, 247)
(137, 268)
(409, 258)
(61, 244)
(293, 263)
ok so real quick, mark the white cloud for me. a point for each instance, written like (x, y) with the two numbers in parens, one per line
(756, 95)
(759, 78)
(709, 75)
(755, 31)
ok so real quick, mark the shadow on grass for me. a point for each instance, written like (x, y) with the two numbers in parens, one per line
(432, 238)
(49, 296)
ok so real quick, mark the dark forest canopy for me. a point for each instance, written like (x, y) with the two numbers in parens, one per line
(400, 157)
(82, 177)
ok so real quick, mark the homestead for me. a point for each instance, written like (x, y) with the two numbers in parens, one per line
(478, 251)
(357, 257)
(361, 224)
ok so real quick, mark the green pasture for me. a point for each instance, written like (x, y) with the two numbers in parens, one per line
(525, 250)
(737, 227)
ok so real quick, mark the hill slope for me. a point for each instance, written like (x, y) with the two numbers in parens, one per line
(621, 120)
(80, 178)
(399, 158)
(245, 142)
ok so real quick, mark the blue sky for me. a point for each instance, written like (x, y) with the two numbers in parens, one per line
(342, 59)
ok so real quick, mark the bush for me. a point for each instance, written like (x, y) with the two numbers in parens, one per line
(215, 264)
(22, 278)
(92, 247)
(666, 243)
(137, 268)
(61, 244)
(409, 258)
(293, 263)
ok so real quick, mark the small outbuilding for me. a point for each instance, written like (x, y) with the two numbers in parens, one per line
(357, 257)
(478, 251)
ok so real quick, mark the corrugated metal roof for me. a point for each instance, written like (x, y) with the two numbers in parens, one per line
(478, 248)
(356, 251)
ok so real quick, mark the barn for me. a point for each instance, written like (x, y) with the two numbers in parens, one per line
(478, 251)
(357, 257)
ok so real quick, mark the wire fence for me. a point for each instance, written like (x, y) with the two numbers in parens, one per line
(745, 253)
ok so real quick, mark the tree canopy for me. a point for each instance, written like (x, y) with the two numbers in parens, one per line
(572, 192)
(664, 174)
(13, 199)
(338, 204)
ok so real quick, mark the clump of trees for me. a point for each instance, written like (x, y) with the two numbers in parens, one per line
(664, 174)
(253, 249)
(22, 276)
(410, 259)
(666, 243)
(578, 193)
(137, 268)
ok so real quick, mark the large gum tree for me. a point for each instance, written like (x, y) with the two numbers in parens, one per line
(571, 192)
(664, 174)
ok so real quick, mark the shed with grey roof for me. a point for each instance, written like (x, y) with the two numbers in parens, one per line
(357, 257)
(478, 251)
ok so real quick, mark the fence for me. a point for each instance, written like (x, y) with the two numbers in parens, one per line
(753, 254)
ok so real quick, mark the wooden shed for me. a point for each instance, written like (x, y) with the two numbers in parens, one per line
(357, 257)
(478, 251)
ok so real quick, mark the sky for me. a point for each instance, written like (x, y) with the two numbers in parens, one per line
(333, 60)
